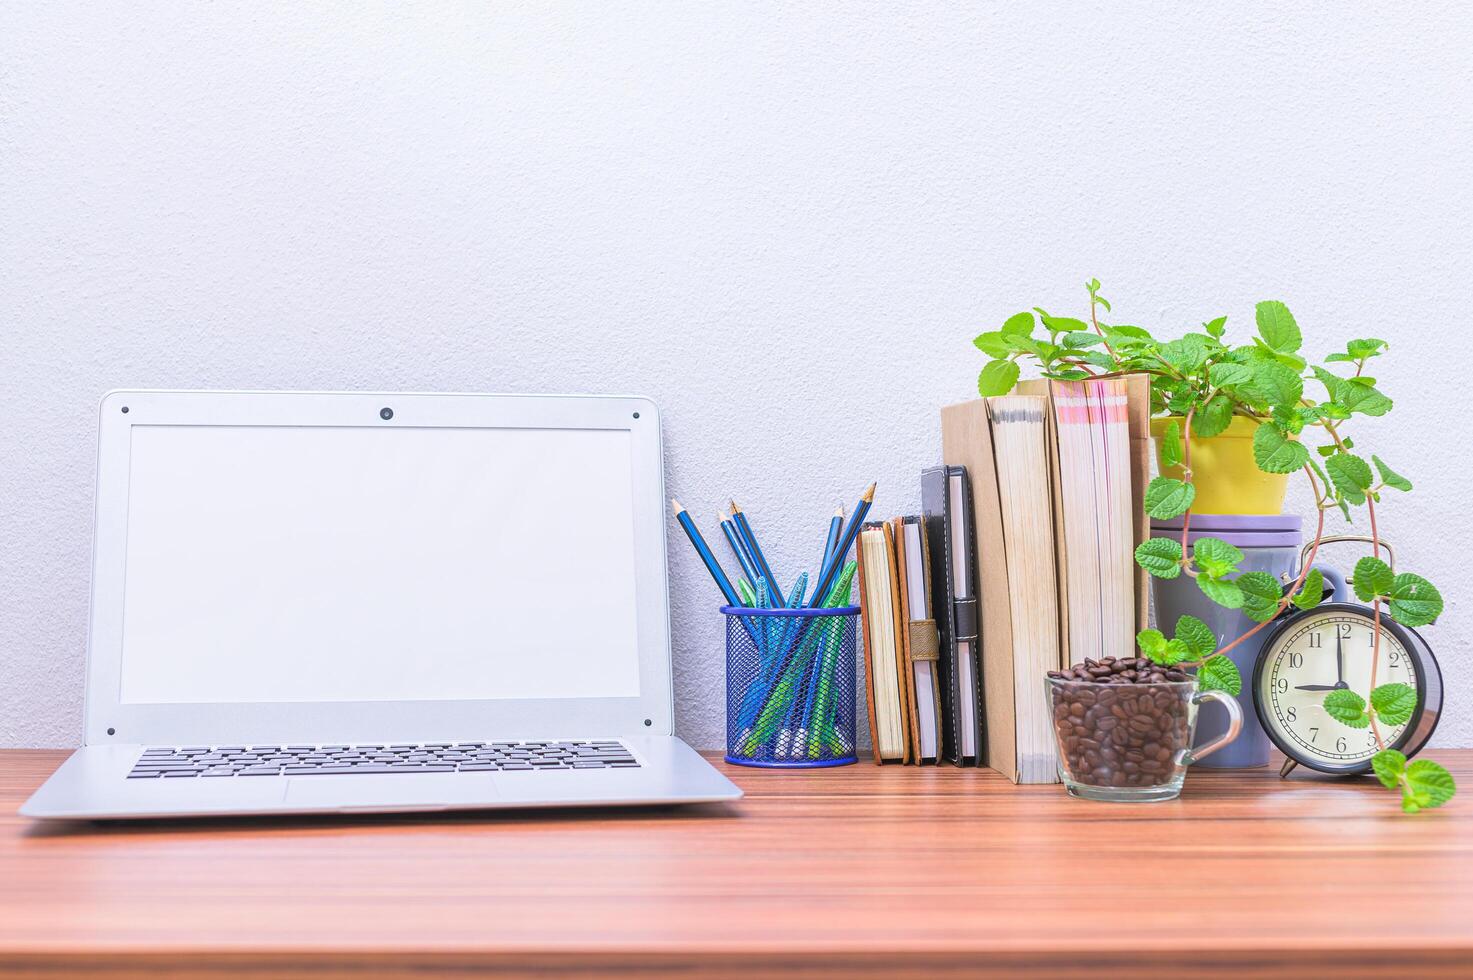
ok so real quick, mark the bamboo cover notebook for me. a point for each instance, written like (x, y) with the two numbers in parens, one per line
(886, 682)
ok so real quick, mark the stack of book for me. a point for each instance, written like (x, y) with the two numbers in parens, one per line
(1020, 564)
(900, 641)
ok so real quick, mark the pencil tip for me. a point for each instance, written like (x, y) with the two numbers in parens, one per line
(676, 504)
(734, 508)
(869, 495)
(839, 512)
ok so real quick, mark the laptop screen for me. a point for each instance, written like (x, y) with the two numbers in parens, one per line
(318, 564)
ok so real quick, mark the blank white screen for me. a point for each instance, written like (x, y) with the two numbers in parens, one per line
(276, 564)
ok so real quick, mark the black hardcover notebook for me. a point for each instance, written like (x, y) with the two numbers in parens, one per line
(946, 502)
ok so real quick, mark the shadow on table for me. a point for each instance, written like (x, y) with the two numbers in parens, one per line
(509, 817)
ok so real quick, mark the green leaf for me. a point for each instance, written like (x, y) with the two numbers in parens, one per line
(1167, 498)
(1226, 374)
(1359, 350)
(1216, 327)
(1219, 674)
(1197, 635)
(1427, 785)
(1222, 592)
(1261, 595)
(1127, 331)
(1213, 418)
(994, 344)
(1390, 478)
(1172, 652)
(1414, 600)
(1277, 327)
(1348, 708)
(1388, 765)
(1360, 395)
(1171, 444)
(1018, 325)
(1276, 384)
(1077, 339)
(1373, 577)
(1102, 301)
(1288, 420)
(1152, 643)
(1186, 354)
(1330, 380)
(1366, 348)
(1160, 557)
(1312, 591)
(1097, 358)
(1215, 557)
(1394, 703)
(1060, 324)
(1275, 452)
(997, 378)
(1350, 474)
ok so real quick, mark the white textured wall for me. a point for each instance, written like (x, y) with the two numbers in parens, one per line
(782, 221)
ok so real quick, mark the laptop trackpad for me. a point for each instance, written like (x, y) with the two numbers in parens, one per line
(407, 790)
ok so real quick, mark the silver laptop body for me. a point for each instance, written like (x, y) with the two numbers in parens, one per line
(343, 602)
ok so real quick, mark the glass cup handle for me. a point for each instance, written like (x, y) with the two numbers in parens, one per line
(1235, 725)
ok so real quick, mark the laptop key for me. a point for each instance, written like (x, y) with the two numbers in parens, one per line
(179, 772)
(261, 771)
(144, 774)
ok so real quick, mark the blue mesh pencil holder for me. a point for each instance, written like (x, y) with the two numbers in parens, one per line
(790, 681)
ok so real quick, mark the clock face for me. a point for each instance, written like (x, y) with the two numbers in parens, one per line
(1318, 653)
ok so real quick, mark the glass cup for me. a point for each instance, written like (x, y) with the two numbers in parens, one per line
(1130, 743)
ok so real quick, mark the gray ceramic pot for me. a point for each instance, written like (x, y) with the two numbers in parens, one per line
(1270, 543)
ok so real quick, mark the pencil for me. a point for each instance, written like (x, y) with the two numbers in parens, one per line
(846, 541)
(836, 526)
(712, 565)
(744, 527)
(728, 529)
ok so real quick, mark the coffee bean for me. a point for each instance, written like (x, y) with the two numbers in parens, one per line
(1117, 721)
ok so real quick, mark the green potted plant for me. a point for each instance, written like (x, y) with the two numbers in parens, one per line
(1251, 402)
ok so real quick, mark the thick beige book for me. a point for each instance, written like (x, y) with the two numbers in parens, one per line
(1021, 450)
(966, 440)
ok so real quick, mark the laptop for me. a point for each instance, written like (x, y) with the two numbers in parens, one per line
(367, 603)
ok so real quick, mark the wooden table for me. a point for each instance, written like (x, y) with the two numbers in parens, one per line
(844, 871)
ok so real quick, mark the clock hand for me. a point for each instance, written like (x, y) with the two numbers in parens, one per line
(1317, 687)
(1340, 684)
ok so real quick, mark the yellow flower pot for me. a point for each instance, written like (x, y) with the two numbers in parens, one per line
(1227, 479)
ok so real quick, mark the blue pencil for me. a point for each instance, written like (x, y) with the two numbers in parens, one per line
(846, 541)
(712, 565)
(748, 569)
(753, 548)
(835, 527)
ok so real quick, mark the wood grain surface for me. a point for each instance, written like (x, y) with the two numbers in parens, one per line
(835, 872)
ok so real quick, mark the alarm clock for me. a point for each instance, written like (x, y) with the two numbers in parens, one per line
(1309, 653)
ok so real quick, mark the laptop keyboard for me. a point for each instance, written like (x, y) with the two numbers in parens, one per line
(206, 761)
